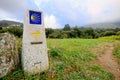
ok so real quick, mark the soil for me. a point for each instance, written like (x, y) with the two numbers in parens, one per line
(107, 61)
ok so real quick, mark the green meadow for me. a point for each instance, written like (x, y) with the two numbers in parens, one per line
(70, 59)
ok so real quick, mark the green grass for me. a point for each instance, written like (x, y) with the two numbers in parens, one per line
(117, 51)
(70, 59)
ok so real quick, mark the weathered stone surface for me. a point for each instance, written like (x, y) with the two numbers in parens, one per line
(34, 49)
(9, 57)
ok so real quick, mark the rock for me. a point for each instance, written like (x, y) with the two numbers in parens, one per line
(9, 57)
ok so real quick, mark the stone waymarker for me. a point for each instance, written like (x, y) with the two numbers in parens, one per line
(34, 49)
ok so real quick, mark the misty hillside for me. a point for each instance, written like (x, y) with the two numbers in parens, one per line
(5, 23)
(104, 26)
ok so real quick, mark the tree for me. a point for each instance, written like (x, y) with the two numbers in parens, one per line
(67, 27)
(77, 31)
(89, 32)
(0, 28)
(108, 33)
(48, 32)
(17, 31)
(118, 33)
(56, 34)
(97, 35)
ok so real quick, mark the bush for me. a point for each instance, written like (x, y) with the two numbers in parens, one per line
(118, 33)
(17, 31)
(108, 33)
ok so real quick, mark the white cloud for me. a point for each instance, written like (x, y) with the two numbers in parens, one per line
(40, 2)
(67, 9)
(74, 12)
(103, 11)
(93, 11)
(13, 5)
(11, 19)
(51, 22)
(13, 9)
(4, 15)
(7, 16)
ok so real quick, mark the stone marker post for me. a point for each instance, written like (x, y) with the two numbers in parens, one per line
(34, 49)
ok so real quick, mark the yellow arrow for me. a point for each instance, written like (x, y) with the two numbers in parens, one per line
(37, 33)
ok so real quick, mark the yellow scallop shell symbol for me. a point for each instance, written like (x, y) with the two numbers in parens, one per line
(34, 17)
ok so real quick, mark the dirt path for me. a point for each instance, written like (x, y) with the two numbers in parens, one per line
(107, 61)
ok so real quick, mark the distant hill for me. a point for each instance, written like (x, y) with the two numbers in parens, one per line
(6, 23)
(104, 26)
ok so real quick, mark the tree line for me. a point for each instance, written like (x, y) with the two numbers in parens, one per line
(67, 32)
(80, 32)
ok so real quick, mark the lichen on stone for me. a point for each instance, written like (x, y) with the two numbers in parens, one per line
(9, 58)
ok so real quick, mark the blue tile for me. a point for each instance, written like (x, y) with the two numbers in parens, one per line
(35, 17)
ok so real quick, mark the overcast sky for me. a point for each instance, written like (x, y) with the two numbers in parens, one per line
(57, 13)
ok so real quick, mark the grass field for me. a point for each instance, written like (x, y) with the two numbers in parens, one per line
(70, 59)
(117, 51)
